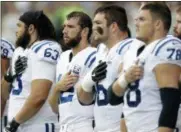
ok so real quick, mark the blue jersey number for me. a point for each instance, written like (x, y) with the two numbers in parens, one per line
(51, 53)
(18, 90)
(4, 52)
(174, 52)
(133, 89)
(101, 95)
(68, 97)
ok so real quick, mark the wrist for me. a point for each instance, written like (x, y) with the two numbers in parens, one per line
(88, 83)
(58, 88)
(122, 82)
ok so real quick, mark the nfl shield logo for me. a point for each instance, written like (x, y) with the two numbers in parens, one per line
(76, 69)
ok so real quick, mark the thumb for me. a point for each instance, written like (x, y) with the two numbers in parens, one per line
(137, 62)
(68, 73)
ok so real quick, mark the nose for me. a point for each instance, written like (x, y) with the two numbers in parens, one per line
(64, 30)
(175, 26)
(94, 27)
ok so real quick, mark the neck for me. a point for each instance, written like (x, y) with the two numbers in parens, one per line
(33, 39)
(115, 39)
(156, 36)
(82, 45)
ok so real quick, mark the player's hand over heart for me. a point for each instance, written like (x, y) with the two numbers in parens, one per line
(67, 81)
(134, 73)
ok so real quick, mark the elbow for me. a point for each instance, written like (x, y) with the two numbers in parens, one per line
(85, 98)
(113, 99)
(39, 101)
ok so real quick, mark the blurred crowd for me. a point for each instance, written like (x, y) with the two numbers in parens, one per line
(57, 11)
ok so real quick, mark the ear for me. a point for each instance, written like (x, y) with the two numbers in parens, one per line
(31, 28)
(113, 26)
(85, 32)
(158, 24)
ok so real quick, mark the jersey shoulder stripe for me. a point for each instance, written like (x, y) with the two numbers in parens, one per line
(91, 62)
(124, 44)
(36, 48)
(90, 57)
(164, 42)
(9, 44)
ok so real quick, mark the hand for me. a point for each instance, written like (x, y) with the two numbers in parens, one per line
(134, 73)
(20, 66)
(99, 72)
(12, 127)
(67, 81)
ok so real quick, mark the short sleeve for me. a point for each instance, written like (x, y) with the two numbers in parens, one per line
(44, 58)
(43, 70)
(48, 52)
(7, 49)
(167, 52)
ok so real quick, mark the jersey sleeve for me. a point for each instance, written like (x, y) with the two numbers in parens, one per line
(44, 61)
(168, 52)
(48, 52)
(7, 49)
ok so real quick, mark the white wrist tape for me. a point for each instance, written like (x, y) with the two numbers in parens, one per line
(122, 81)
(87, 83)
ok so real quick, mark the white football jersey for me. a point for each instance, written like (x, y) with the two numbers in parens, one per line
(7, 49)
(70, 109)
(42, 59)
(142, 103)
(107, 117)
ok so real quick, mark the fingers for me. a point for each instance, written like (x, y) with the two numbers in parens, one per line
(134, 73)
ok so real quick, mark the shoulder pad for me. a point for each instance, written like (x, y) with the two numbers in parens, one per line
(7, 49)
(124, 46)
(47, 51)
(169, 48)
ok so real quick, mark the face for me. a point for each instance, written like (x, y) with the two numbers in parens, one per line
(177, 26)
(22, 35)
(144, 25)
(72, 32)
(100, 28)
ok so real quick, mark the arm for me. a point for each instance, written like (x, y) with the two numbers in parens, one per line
(20, 66)
(85, 92)
(123, 125)
(4, 65)
(5, 88)
(117, 89)
(35, 100)
(170, 73)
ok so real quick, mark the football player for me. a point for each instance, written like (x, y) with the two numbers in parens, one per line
(72, 66)
(152, 98)
(109, 27)
(7, 50)
(29, 109)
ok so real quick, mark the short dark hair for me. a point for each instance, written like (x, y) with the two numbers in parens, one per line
(84, 20)
(116, 14)
(160, 11)
(41, 22)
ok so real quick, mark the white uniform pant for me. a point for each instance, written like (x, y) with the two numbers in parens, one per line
(77, 127)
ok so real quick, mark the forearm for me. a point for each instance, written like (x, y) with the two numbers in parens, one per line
(165, 129)
(29, 109)
(118, 91)
(53, 100)
(85, 97)
(3, 105)
(5, 88)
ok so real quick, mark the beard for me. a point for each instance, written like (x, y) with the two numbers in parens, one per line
(74, 41)
(23, 40)
(176, 34)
